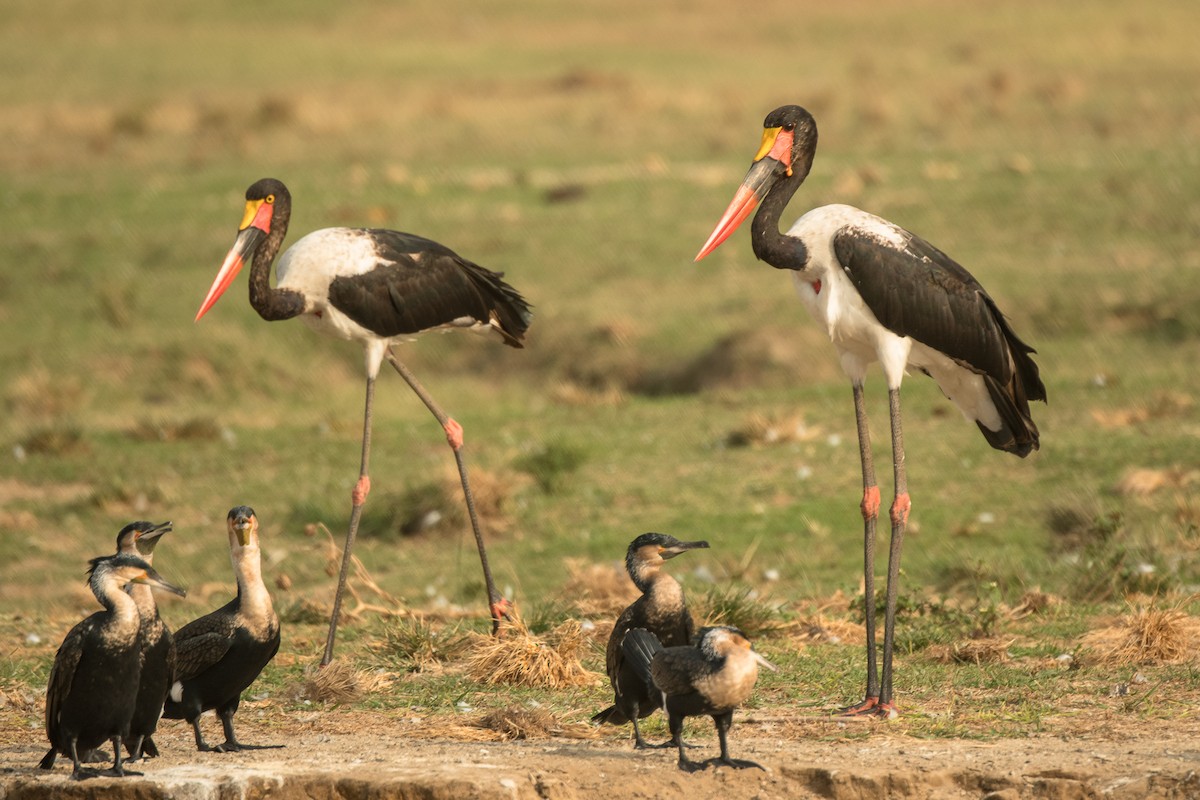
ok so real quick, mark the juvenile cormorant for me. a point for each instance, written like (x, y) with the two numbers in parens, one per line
(713, 677)
(94, 681)
(157, 644)
(220, 654)
(662, 611)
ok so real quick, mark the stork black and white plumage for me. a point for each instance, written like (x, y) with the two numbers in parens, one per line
(884, 294)
(663, 611)
(94, 681)
(155, 640)
(376, 287)
(712, 677)
(221, 653)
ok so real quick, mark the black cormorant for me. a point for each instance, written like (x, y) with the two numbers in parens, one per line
(712, 677)
(94, 681)
(220, 654)
(157, 644)
(662, 611)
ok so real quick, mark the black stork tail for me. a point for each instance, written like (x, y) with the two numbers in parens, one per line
(1018, 434)
(508, 311)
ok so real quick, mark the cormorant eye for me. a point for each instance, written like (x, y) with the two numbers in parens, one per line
(270, 199)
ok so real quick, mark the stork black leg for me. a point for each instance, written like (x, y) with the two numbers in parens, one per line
(899, 514)
(870, 513)
(358, 498)
(498, 606)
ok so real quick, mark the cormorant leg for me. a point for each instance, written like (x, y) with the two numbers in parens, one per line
(498, 606)
(675, 723)
(899, 514)
(118, 768)
(641, 744)
(134, 746)
(358, 498)
(148, 748)
(870, 513)
(724, 722)
(201, 745)
(232, 745)
(77, 771)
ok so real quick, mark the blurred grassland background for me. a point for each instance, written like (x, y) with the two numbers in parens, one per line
(586, 149)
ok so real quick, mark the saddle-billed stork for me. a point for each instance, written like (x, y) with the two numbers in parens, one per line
(886, 295)
(375, 287)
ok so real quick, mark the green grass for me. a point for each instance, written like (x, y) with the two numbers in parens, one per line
(1052, 151)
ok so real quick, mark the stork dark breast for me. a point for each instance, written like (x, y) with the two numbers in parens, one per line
(420, 284)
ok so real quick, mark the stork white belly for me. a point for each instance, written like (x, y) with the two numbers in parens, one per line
(854, 330)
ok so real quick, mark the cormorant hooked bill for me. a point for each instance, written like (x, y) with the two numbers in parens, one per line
(661, 610)
(220, 654)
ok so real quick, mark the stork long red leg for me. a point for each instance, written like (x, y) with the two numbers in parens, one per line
(870, 514)
(358, 500)
(498, 606)
(899, 516)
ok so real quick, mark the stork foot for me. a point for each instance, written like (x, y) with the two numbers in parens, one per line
(361, 490)
(886, 711)
(866, 707)
(454, 433)
(501, 609)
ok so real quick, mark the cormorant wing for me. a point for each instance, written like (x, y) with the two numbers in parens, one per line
(202, 643)
(62, 673)
(613, 657)
(420, 284)
(675, 669)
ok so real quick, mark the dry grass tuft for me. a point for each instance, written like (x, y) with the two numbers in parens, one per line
(570, 393)
(1035, 601)
(820, 630)
(518, 658)
(1146, 636)
(972, 651)
(533, 723)
(340, 683)
(760, 430)
(600, 590)
(1145, 481)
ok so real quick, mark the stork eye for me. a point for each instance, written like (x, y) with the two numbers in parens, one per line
(789, 126)
(270, 199)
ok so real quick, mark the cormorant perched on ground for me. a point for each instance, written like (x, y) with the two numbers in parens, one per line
(662, 611)
(94, 681)
(713, 677)
(157, 644)
(220, 654)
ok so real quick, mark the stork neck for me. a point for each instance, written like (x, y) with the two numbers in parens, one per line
(777, 249)
(271, 303)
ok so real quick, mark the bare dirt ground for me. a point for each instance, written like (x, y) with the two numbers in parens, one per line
(365, 755)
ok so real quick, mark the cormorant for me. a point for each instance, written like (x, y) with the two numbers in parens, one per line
(157, 644)
(713, 677)
(662, 611)
(94, 681)
(220, 654)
